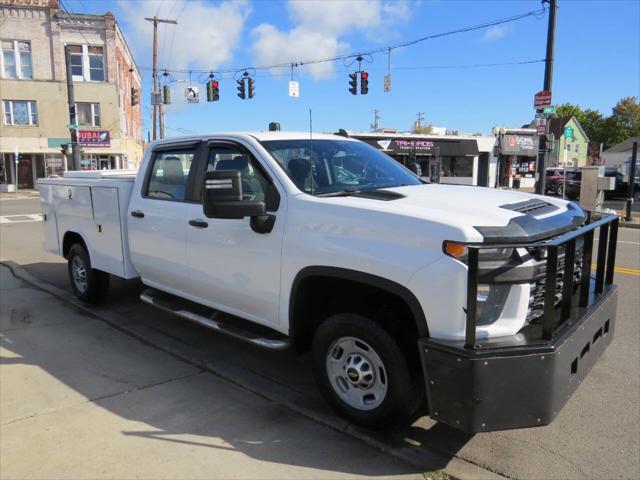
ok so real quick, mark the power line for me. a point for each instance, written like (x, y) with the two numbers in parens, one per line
(387, 49)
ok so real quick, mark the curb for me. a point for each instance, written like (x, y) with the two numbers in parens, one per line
(425, 459)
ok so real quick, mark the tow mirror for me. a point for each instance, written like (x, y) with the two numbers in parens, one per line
(222, 197)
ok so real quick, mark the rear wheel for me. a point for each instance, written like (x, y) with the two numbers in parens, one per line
(362, 372)
(88, 284)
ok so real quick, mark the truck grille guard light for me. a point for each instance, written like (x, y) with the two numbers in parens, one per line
(562, 284)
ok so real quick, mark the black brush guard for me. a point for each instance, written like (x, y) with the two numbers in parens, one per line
(524, 380)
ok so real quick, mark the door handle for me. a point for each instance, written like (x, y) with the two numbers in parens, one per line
(137, 214)
(198, 223)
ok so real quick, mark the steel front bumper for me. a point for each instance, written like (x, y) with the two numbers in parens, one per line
(520, 383)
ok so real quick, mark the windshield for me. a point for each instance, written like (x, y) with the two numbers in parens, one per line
(320, 167)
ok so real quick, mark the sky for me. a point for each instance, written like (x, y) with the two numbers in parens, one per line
(453, 80)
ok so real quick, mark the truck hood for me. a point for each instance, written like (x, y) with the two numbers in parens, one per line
(483, 214)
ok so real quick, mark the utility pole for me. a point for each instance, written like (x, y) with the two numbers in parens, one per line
(548, 81)
(376, 119)
(73, 125)
(157, 108)
(420, 118)
(632, 180)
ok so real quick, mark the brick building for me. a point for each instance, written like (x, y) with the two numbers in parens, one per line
(33, 91)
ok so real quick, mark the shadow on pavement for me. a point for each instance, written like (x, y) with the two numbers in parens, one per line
(202, 405)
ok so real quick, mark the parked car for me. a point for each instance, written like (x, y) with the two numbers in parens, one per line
(621, 187)
(572, 184)
(553, 180)
(479, 301)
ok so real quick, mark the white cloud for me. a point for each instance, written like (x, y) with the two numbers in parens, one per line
(318, 26)
(494, 33)
(205, 36)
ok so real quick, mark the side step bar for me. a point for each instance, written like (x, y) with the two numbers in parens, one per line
(212, 319)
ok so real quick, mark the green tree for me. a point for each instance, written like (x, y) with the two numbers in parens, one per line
(624, 121)
(423, 129)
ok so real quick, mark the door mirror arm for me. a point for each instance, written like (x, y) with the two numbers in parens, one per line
(262, 223)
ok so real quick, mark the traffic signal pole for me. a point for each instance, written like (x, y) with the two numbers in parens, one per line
(548, 80)
(158, 110)
(632, 181)
(73, 126)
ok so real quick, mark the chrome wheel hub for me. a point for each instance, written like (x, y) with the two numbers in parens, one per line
(79, 272)
(356, 373)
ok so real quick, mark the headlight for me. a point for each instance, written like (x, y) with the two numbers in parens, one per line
(491, 300)
(460, 251)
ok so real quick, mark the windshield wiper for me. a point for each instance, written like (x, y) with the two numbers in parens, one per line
(347, 192)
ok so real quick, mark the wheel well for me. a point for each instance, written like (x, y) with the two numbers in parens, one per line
(317, 297)
(69, 239)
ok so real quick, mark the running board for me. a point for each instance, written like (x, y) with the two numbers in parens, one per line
(214, 320)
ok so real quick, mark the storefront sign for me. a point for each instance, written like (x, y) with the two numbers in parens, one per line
(26, 3)
(417, 145)
(519, 145)
(94, 138)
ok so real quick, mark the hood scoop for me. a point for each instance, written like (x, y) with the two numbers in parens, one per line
(385, 195)
(532, 207)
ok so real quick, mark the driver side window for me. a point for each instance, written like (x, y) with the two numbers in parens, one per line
(229, 158)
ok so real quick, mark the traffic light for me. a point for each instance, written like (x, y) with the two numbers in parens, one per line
(135, 97)
(215, 90)
(364, 83)
(64, 149)
(166, 95)
(252, 88)
(354, 83)
(242, 91)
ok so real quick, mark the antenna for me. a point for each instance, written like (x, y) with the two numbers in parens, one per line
(311, 148)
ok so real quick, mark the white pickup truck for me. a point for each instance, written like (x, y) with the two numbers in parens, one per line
(480, 301)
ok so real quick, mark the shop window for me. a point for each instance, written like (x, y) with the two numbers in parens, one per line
(457, 166)
(88, 114)
(16, 59)
(87, 63)
(20, 112)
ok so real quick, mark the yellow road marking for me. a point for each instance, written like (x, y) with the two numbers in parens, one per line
(625, 270)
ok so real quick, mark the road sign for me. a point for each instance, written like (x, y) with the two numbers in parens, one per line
(294, 89)
(192, 94)
(550, 110)
(387, 83)
(542, 99)
(72, 127)
(568, 133)
(541, 126)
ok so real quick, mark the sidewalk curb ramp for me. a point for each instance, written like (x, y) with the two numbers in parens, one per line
(424, 458)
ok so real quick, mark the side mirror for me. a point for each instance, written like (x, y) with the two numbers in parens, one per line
(223, 197)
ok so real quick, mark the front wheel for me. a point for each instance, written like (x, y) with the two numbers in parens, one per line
(88, 284)
(559, 189)
(362, 372)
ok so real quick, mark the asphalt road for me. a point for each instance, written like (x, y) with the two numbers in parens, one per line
(596, 435)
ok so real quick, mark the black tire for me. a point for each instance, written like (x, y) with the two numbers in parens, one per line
(559, 189)
(96, 285)
(404, 386)
(573, 196)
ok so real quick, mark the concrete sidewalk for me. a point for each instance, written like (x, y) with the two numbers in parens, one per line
(82, 399)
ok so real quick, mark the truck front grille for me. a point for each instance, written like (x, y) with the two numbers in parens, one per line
(538, 286)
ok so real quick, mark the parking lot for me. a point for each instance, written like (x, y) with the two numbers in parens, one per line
(123, 390)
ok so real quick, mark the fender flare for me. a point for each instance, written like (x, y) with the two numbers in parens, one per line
(82, 236)
(365, 278)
